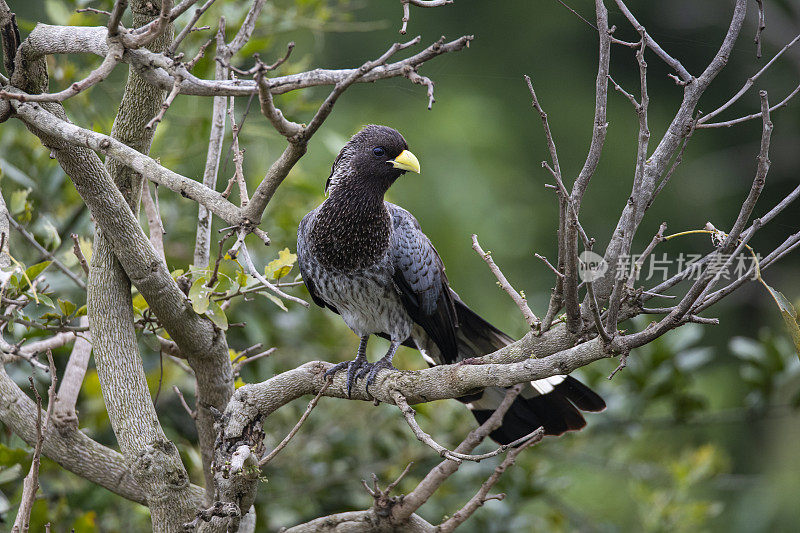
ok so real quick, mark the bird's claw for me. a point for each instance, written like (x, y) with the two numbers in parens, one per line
(352, 367)
(358, 368)
(371, 370)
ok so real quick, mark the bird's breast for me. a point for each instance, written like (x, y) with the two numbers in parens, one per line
(350, 238)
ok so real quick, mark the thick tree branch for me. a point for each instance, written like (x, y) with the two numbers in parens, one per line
(64, 413)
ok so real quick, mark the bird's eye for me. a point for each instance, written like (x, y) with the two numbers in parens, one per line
(379, 151)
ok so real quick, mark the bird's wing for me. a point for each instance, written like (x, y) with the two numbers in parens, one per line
(304, 257)
(421, 282)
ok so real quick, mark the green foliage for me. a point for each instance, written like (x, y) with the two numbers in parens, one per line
(676, 506)
(788, 313)
(279, 268)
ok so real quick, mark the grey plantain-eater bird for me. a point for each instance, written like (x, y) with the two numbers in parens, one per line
(368, 260)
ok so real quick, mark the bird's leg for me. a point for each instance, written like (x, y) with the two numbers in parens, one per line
(352, 366)
(371, 369)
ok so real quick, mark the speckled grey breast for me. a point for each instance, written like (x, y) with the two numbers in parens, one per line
(366, 297)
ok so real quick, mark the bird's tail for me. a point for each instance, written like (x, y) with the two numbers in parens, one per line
(554, 403)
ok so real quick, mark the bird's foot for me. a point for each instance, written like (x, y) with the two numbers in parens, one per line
(352, 367)
(371, 370)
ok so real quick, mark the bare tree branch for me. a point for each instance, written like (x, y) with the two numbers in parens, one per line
(463, 514)
(701, 123)
(154, 224)
(31, 484)
(418, 3)
(653, 45)
(64, 413)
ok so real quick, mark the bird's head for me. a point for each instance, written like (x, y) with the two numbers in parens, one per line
(372, 160)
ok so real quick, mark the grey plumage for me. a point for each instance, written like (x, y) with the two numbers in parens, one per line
(369, 261)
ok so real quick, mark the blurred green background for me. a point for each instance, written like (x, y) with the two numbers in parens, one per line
(702, 426)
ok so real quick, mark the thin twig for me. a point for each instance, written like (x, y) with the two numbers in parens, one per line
(702, 123)
(733, 122)
(238, 159)
(313, 403)
(237, 367)
(31, 483)
(460, 516)
(247, 351)
(551, 267)
(112, 58)
(520, 300)
(623, 362)
(410, 415)
(192, 412)
(212, 280)
(93, 10)
(33, 324)
(595, 309)
(636, 268)
(176, 89)
(256, 274)
(762, 24)
(418, 3)
(439, 474)
(45, 252)
(188, 28)
(76, 249)
(154, 223)
(654, 46)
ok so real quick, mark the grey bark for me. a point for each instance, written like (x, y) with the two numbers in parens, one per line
(154, 460)
(64, 413)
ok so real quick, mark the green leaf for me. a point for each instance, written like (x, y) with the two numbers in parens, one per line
(280, 267)
(46, 300)
(277, 301)
(788, 313)
(18, 203)
(139, 304)
(56, 12)
(7, 475)
(229, 268)
(82, 310)
(199, 295)
(12, 456)
(67, 307)
(224, 284)
(85, 522)
(33, 271)
(217, 315)
(47, 233)
(86, 249)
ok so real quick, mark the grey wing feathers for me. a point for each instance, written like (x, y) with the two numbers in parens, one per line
(304, 257)
(421, 282)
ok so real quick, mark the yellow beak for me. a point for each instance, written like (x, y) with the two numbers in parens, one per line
(406, 161)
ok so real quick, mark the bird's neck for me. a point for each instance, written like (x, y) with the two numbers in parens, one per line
(351, 230)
